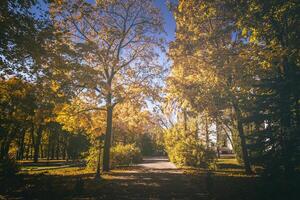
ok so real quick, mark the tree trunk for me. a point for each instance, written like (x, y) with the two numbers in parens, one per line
(206, 132)
(52, 151)
(32, 140)
(107, 142)
(37, 144)
(57, 147)
(243, 140)
(218, 139)
(228, 137)
(5, 149)
(185, 121)
(64, 151)
(98, 162)
(5, 145)
(27, 151)
(197, 130)
(1, 148)
(42, 150)
(21, 145)
(49, 144)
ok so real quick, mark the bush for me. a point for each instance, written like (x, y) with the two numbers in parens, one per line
(92, 157)
(120, 155)
(8, 167)
(186, 150)
(124, 155)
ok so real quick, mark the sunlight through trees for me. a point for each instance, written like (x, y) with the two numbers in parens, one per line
(93, 87)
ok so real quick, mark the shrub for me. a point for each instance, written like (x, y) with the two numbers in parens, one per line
(8, 167)
(92, 157)
(186, 150)
(122, 155)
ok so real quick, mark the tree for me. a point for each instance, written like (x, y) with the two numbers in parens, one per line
(17, 36)
(16, 101)
(30, 51)
(271, 29)
(116, 42)
(207, 65)
(237, 62)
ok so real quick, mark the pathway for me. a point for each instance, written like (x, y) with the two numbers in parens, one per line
(157, 163)
(155, 178)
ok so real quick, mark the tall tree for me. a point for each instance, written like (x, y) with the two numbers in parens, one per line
(16, 108)
(117, 46)
(207, 67)
(271, 29)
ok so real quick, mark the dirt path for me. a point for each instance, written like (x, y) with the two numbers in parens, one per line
(155, 178)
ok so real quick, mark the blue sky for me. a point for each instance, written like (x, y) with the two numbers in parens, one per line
(162, 5)
(169, 19)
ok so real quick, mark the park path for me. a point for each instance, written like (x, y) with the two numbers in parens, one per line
(155, 178)
(156, 163)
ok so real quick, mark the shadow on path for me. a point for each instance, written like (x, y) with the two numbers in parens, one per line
(155, 178)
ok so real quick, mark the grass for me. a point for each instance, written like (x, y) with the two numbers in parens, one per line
(229, 181)
(68, 181)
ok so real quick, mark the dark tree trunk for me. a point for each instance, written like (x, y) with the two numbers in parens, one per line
(107, 141)
(185, 121)
(196, 131)
(32, 140)
(57, 147)
(5, 149)
(98, 162)
(52, 151)
(1, 151)
(49, 145)
(64, 150)
(288, 84)
(109, 118)
(206, 132)
(218, 139)
(243, 139)
(228, 137)
(20, 154)
(37, 144)
(6, 144)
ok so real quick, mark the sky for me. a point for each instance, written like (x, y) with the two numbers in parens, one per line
(169, 20)
(170, 24)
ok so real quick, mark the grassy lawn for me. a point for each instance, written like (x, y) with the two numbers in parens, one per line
(230, 182)
(43, 165)
(227, 182)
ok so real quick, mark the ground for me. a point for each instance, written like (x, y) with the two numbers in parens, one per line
(155, 178)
